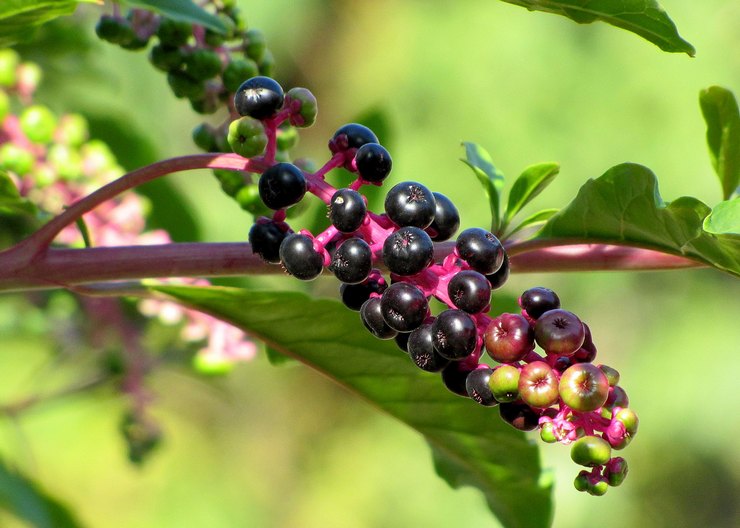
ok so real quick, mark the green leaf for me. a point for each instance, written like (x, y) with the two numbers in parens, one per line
(540, 217)
(479, 448)
(276, 358)
(490, 178)
(184, 11)
(11, 202)
(529, 184)
(26, 500)
(724, 218)
(18, 18)
(645, 18)
(721, 113)
(624, 206)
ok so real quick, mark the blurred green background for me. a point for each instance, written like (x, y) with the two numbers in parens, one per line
(278, 447)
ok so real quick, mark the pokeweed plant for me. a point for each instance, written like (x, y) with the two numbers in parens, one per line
(70, 224)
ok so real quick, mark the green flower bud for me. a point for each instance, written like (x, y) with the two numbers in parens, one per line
(238, 71)
(204, 137)
(16, 159)
(38, 123)
(231, 181)
(173, 32)
(72, 130)
(9, 60)
(255, 45)
(183, 85)
(203, 64)
(66, 160)
(267, 64)
(166, 58)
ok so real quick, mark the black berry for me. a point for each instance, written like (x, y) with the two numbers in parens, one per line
(499, 278)
(537, 301)
(454, 334)
(410, 204)
(421, 350)
(404, 306)
(477, 387)
(402, 341)
(373, 162)
(265, 238)
(355, 295)
(481, 249)
(454, 376)
(282, 185)
(259, 97)
(446, 218)
(372, 318)
(470, 291)
(299, 257)
(347, 210)
(351, 136)
(408, 251)
(519, 415)
(352, 261)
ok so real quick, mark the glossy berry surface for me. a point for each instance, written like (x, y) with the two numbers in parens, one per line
(372, 318)
(538, 385)
(537, 301)
(470, 291)
(519, 415)
(354, 295)
(559, 332)
(504, 383)
(499, 277)
(373, 162)
(265, 238)
(481, 249)
(351, 136)
(584, 387)
(454, 334)
(446, 218)
(408, 251)
(410, 204)
(404, 306)
(347, 210)
(259, 97)
(590, 451)
(422, 352)
(352, 261)
(454, 377)
(299, 257)
(247, 137)
(477, 387)
(282, 185)
(508, 338)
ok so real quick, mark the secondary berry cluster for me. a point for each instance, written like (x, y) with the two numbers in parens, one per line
(560, 391)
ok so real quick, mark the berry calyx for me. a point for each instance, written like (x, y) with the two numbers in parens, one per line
(259, 97)
(584, 387)
(509, 338)
(282, 185)
(559, 332)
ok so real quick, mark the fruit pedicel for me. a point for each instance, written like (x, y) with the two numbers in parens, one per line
(559, 390)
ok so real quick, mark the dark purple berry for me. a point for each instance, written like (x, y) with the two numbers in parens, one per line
(404, 306)
(351, 136)
(347, 210)
(402, 341)
(537, 301)
(480, 249)
(478, 388)
(454, 376)
(538, 385)
(454, 334)
(509, 338)
(373, 162)
(500, 277)
(355, 295)
(408, 251)
(559, 332)
(372, 318)
(259, 97)
(469, 291)
(410, 204)
(519, 415)
(587, 352)
(299, 257)
(265, 238)
(446, 219)
(352, 261)
(421, 350)
(282, 185)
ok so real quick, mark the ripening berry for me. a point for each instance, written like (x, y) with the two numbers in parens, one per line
(265, 238)
(469, 291)
(347, 210)
(351, 136)
(166, 58)
(504, 383)
(38, 123)
(509, 338)
(454, 334)
(519, 415)
(559, 332)
(174, 32)
(259, 97)
(308, 109)
(203, 64)
(352, 261)
(584, 387)
(538, 385)
(236, 71)
(355, 295)
(454, 377)
(500, 277)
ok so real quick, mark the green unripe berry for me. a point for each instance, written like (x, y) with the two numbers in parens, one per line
(98, 156)
(247, 137)
(211, 366)
(249, 199)
(72, 130)
(183, 85)
(29, 76)
(238, 71)
(9, 60)
(231, 181)
(204, 137)
(612, 375)
(616, 471)
(66, 160)
(16, 159)
(581, 483)
(166, 58)
(591, 451)
(115, 30)
(255, 45)
(4, 105)
(205, 105)
(287, 138)
(599, 488)
(547, 433)
(173, 32)
(213, 38)
(38, 123)
(267, 64)
(306, 164)
(203, 64)
(504, 383)
(307, 107)
(629, 419)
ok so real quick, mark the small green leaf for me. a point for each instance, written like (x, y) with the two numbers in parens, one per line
(540, 217)
(18, 18)
(624, 206)
(529, 184)
(324, 335)
(11, 202)
(27, 501)
(724, 218)
(184, 11)
(722, 116)
(645, 18)
(84, 231)
(490, 178)
(275, 357)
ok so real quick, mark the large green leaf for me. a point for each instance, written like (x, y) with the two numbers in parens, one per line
(184, 11)
(489, 177)
(643, 17)
(624, 206)
(722, 116)
(529, 184)
(26, 500)
(724, 218)
(472, 445)
(19, 17)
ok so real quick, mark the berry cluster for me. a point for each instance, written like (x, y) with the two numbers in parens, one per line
(561, 391)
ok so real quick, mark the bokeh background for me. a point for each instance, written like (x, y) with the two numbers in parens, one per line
(281, 446)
